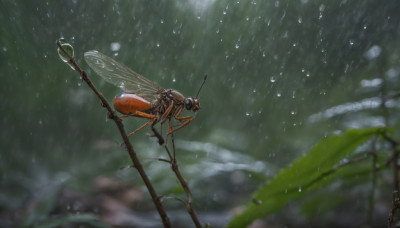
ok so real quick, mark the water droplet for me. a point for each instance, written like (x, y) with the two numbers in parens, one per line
(4, 49)
(69, 52)
(351, 42)
(263, 54)
(247, 18)
(300, 20)
(373, 52)
(115, 46)
(224, 12)
(299, 188)
(237, 45)
(158, 44)
(278, 94)
(254, 90)
(162, 21)
(79, 83)
(272, 79)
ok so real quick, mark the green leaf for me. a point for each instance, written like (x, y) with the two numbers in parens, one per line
(303, 175)
(323, 201)
(68, 52)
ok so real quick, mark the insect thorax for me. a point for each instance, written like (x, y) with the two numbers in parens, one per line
(166, 98)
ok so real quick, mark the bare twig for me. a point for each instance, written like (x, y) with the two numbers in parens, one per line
(370, 214)
(175, 169)
(395, 157)
(135, 160)
(395, 206)
(390, 97)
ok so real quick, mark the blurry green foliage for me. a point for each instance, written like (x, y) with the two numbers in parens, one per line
(271, 66)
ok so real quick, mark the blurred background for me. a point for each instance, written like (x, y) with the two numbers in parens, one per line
(281, 76)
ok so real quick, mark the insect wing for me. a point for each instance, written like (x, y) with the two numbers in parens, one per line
(120, 75)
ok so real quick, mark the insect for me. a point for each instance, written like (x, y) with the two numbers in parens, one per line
(141, 97)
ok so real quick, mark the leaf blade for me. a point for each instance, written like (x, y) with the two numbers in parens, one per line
(291, 182)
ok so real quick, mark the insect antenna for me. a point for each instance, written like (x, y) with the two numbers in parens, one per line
(204, 80)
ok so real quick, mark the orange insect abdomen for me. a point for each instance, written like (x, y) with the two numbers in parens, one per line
(127, 103)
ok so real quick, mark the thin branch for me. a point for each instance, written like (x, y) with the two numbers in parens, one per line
(390, 97)
(395, 206)
(135, 160)
(370, 214)
(395, 157)
(175, 169)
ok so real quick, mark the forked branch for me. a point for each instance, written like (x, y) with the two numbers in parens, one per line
(175, 169)
(111, 114)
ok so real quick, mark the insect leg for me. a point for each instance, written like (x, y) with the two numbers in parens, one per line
(185, 121)
(142, 115)
(169, 129)
(165, 115)
(167, 112)
(140, 128)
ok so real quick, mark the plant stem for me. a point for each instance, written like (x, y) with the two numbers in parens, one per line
(370, 214)
(135, 160)
(175, 169)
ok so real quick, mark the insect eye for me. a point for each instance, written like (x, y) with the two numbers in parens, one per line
(188, 104)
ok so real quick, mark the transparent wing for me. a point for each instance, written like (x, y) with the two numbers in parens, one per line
(123, 77)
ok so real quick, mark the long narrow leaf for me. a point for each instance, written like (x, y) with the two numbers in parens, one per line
(299, 178)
